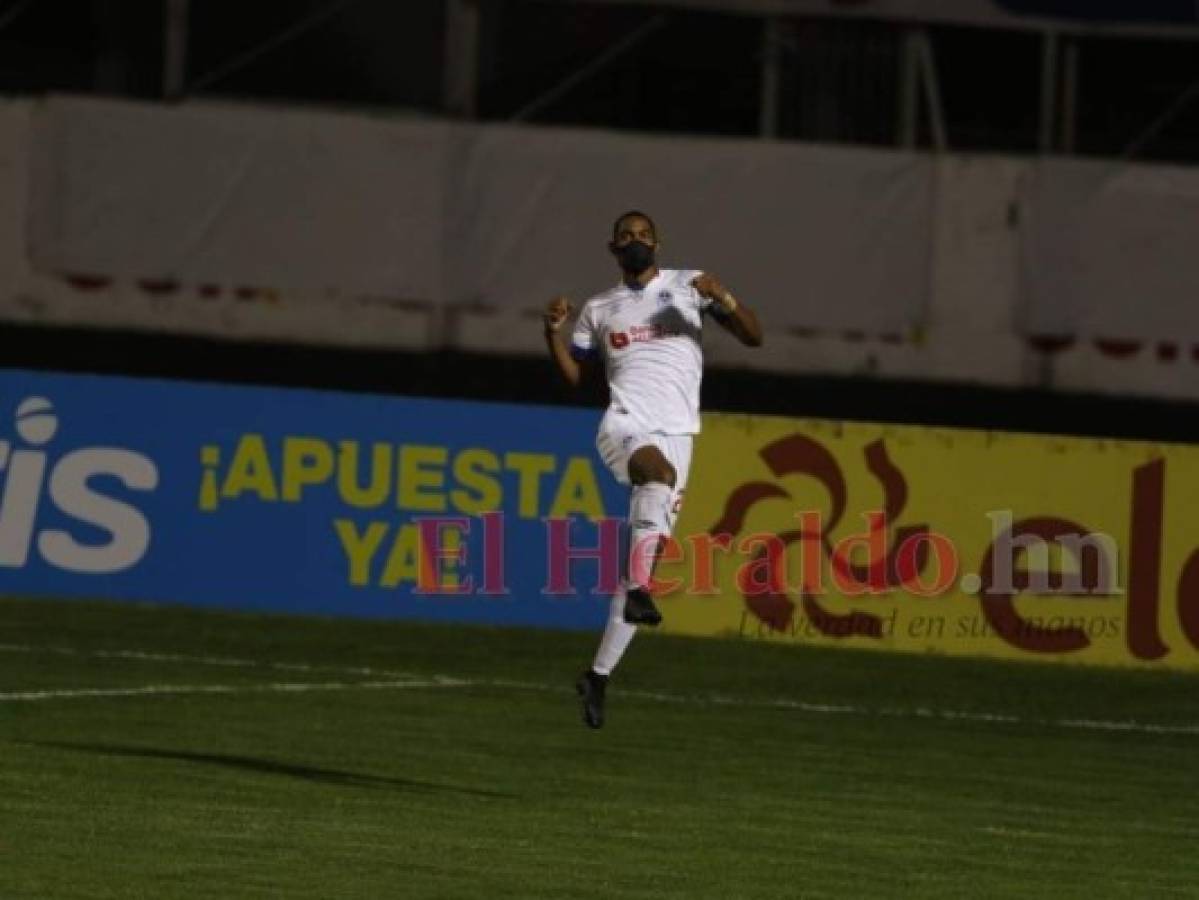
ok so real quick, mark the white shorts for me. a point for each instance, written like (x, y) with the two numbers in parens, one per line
(617, 443)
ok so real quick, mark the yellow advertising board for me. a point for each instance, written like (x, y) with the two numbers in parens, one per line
(926, 540)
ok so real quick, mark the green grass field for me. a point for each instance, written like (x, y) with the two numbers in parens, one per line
(159, 753)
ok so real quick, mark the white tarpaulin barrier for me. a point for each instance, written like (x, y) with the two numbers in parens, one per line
(230, 195)
(14, 184)
(814, 237)
(1092, 290)
(1110, 251)
(826, 238)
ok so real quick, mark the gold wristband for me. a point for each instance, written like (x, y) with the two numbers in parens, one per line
(729, 302)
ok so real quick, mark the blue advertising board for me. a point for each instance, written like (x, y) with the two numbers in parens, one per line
(300, 501)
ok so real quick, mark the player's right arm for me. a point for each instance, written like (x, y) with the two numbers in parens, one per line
(569, 359)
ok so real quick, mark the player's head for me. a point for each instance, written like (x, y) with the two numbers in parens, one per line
(634, 241)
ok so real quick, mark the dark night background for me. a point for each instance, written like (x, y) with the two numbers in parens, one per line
(695, 72)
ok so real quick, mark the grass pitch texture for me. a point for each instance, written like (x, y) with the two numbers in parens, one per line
(162, 753)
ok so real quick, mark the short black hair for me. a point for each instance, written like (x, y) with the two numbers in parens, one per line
(629, 215)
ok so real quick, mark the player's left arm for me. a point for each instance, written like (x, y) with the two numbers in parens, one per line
(735, 316)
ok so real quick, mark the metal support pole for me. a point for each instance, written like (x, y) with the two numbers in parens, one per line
(909, 90)
(174, 50)
(1049, 88)
(932, 91)
(1146, 137)
(1069, 123)
(772, 64)
(461, 85)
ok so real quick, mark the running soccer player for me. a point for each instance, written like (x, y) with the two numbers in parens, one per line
(646, 331)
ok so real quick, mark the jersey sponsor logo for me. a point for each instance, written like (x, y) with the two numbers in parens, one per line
(119, 534)
(664, 297)
(639, 334)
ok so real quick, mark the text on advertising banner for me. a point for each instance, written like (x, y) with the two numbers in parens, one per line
(302, 501)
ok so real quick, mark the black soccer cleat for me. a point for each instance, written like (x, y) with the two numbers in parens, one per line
(591, 687)
(639, 608)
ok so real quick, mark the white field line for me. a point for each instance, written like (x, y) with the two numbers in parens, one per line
(402, 680)
(880, 712)
(222, 661)
(273, 688)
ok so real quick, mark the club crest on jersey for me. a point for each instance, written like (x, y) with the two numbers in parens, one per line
(664, 297)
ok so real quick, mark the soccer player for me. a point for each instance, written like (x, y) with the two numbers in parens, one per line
(646, 332)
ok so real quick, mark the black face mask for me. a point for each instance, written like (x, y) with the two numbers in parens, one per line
(635, 257)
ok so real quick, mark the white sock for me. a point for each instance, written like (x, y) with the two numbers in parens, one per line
(617, 635)
(649, 521)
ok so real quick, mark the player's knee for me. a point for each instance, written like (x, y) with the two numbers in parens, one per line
(666, 474)
(655, 469)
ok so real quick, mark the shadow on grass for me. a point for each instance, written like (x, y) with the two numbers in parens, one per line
(274, 767)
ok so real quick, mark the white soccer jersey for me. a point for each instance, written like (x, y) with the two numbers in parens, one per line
(649, 339)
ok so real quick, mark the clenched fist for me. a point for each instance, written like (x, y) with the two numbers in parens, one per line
(707, 285)
(556, 313)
